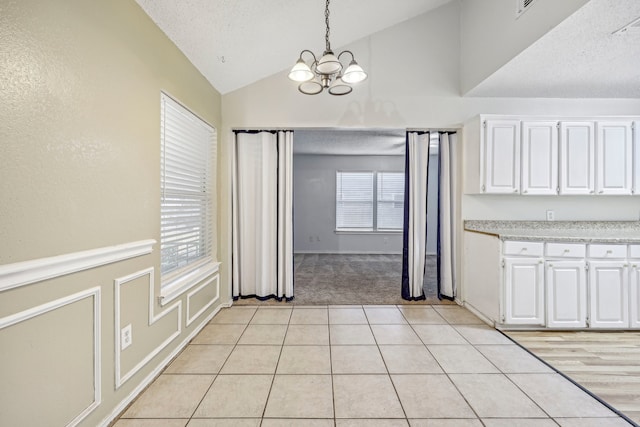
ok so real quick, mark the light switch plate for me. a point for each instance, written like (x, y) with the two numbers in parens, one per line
(551, 215)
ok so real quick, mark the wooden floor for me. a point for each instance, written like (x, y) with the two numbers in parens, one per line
(605, 363)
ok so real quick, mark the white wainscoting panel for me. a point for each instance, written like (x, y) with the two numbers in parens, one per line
(94, 293)
(121, 378)
(213, 281)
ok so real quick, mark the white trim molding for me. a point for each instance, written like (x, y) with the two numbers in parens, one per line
(94, 293)
(27, 272)
(120, 378)
(177, 284)
(215, 280)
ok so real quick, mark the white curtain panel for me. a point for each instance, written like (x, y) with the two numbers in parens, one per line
(448, 211)
(285, 214)
(262, 264)
(418, 170)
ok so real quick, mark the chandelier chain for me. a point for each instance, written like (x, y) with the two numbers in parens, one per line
(326, 20)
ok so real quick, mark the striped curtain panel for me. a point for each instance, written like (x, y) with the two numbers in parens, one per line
(414, 242)
(262, 215)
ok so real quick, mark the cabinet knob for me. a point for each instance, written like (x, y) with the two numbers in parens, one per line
(567, 251)
(591, 192)
(525, 192)
(609, 251)
(601, 191)
(515, 191)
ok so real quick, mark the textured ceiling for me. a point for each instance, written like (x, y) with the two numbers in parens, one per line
(237, 42)
(580, 58)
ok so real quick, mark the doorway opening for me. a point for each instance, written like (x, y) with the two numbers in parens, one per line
(348, 210)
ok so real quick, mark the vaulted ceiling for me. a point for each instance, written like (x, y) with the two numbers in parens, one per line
(237, 42)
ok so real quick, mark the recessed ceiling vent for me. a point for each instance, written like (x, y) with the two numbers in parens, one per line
(522, 6)
(633, 26)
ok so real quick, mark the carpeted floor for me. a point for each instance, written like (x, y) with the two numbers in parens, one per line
(353, 279)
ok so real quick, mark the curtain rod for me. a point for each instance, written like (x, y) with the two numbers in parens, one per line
(260, 130)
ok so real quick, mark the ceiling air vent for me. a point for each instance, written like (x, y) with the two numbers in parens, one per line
(522, 6)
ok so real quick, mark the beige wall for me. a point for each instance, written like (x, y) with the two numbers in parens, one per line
(80, 85)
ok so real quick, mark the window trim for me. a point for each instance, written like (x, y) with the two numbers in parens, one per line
(375, 229)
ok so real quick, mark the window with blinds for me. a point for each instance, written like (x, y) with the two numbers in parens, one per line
(390, 200)
(369, 201)
(186, 228)
(354, 200)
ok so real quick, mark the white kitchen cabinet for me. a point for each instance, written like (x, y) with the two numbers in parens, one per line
(608, 294)
(577, 158)
(614, 157)
(501, 166)
(634, 286)
(636, 158)
(524, 291)
(566, 286)
(539, 157)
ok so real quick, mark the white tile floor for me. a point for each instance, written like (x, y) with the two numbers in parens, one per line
(377, 366)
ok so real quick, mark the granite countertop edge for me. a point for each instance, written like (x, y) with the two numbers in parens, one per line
(559, 231)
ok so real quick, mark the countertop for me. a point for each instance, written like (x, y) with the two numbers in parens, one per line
(560, 231)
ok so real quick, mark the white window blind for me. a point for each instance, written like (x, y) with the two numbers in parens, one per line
(187, 144)
(390, 198)
(354, 200)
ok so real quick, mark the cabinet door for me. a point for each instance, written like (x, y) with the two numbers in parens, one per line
(524, 291)
(539, 157)
(636, 157)
(502, 156)
(566, 294)
(608, 294)
(614, 154)
(577, 158)
(634, 294)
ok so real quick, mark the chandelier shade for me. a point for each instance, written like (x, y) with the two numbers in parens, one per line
(354, 73)
(317, 75)
(301, 72)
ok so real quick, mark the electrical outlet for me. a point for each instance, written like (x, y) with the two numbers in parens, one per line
(551, 216)
(125, 337)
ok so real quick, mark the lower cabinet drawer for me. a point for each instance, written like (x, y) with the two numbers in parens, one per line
(523, 248)
(566, 250)
(607, 251)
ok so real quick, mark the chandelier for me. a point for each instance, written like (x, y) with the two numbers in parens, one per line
(327, 72)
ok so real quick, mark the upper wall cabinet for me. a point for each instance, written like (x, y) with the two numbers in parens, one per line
(614, 148)
(539, 157)
(577, 158)
(502, 153)
(547, 156)
(636, 158)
